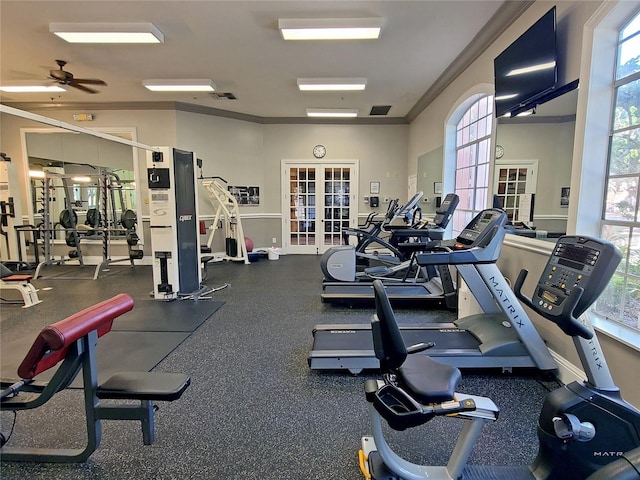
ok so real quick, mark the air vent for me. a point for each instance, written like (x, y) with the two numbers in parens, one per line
(223, 96)
(380, 109)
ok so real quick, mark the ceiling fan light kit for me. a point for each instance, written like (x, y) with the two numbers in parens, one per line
(107, 32)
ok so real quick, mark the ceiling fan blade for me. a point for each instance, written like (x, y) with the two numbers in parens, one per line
(75, 84)
(89, 81)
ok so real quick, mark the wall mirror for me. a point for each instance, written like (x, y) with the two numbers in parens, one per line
(428, 176)
(82, 160)
(535, 156)
(542, 141)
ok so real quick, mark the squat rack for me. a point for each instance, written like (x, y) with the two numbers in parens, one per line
(102, 220)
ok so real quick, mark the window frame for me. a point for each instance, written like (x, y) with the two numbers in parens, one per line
(592, 145)
(460, 121)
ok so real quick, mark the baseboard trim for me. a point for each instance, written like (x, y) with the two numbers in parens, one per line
(567, 371)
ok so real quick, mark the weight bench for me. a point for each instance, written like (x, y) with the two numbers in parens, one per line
(21, 283)
(73, 342)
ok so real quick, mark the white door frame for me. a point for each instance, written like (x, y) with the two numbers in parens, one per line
(532, 174)
(319, 246)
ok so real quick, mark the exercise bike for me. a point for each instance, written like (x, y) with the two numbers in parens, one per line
(583, 426)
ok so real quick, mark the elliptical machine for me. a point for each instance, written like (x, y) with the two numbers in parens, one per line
(583, 426)
(339, 264)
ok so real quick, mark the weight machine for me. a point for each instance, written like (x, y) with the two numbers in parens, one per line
(175, 236)
(227, 215)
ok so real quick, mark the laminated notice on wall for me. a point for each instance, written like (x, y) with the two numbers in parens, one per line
(525, 208)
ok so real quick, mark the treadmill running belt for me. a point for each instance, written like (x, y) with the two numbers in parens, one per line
(346, 339)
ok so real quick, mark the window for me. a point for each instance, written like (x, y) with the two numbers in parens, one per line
(473, 146)
(621, 217)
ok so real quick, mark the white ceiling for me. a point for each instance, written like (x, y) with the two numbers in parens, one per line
(238, 46)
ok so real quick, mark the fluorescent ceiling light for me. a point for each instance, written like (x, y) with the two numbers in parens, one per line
(531, 69)
(107, 32)
(36, 173)
(330, 28)
(506, 97)
(320, 84)
(526, 113)
(332, 112)
(180, 85)
(81, 179)
(32, 88)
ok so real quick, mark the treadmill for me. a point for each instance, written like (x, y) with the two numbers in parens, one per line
(502, 337)
(344, 285)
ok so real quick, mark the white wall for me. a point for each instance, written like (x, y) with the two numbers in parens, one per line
(246, 153)
(381, 151)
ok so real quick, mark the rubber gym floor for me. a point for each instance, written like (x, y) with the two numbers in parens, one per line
(254, 409)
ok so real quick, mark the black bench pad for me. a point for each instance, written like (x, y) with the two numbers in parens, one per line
(144, 386)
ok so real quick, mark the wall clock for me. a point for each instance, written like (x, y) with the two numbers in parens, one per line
(319, 151)
(499, 151)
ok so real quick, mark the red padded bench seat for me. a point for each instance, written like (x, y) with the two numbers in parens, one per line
(73, 342)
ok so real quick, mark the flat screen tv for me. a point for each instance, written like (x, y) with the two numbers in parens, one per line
(528, 68)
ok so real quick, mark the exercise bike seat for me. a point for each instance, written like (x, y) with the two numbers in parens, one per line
(425, 379)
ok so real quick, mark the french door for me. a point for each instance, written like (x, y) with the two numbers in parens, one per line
(319, 202)
(514, 184)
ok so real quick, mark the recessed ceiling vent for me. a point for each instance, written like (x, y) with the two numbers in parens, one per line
(380, 109)
(223, 96)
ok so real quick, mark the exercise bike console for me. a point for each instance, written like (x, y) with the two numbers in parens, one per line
(575, 275)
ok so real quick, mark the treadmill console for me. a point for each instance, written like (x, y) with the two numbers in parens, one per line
(481, 229)
(576, 261)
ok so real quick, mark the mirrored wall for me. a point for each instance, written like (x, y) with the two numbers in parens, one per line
(539, 148)
(87, 174)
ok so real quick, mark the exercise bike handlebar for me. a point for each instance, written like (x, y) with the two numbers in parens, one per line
(566, 320)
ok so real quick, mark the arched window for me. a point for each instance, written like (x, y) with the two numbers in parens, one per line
(472, 154)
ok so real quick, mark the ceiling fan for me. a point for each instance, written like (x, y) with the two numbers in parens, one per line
(66, 78)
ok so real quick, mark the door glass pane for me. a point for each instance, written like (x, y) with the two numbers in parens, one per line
(337, 188)
(302, 213)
